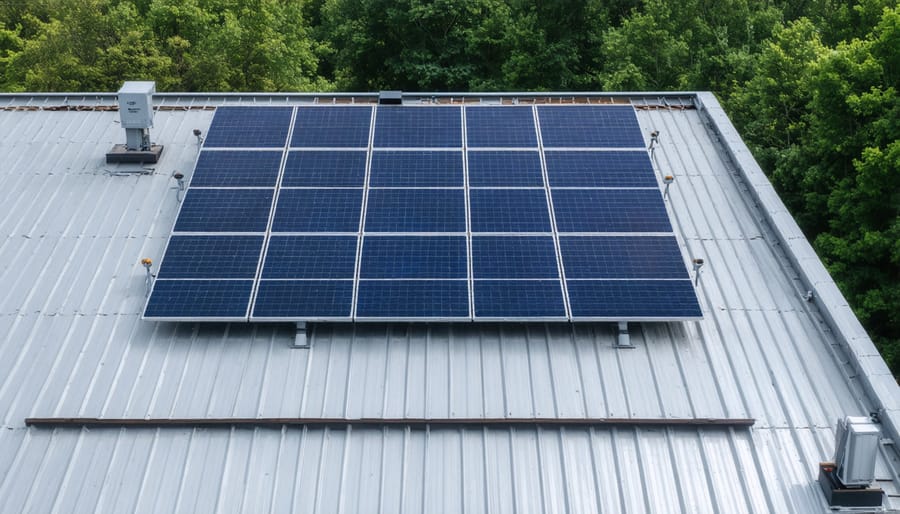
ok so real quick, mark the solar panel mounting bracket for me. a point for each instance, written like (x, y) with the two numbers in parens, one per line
(300, 339)
(624, 338)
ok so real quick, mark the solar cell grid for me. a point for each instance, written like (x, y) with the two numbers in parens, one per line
(433, 299)
(249, 127)
(332, 127)
(600, 169)
(303, 299)
(519, 299)
(417, 169)
(632, 299)
(414, 257)
(241, 168)
(310, 257)
(505, 169)
(509, 210)
(318, 210)
(514, 257)
(416, 210)
(622, 257)
(324, 169)
(211, 299)
(567, 126)
(603, 210)
(500, 127)
(225, 210)
(418, 127)
(211, 257)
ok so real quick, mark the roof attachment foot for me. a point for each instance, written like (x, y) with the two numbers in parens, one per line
(300, 339)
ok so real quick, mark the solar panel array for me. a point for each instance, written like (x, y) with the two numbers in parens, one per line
(423, 213)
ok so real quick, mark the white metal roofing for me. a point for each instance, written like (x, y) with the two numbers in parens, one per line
(72, 232)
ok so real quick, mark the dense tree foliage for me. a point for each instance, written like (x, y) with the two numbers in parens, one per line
(812, 84)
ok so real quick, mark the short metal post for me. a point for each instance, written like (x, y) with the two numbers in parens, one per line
(667, 180)
(698, 263)
(300, 338)
(179, 176)
(149, 279)
(624, 338)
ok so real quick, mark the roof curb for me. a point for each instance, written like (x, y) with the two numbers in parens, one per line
(875, 376)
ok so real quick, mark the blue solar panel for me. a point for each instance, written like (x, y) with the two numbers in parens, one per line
(416, 210)
(622, 257)
(429, 299)
(249, 127)
(310, 257)
(225, 210)
(211, 257)
(514, 257)
(239, 168)
(633, 299)
(414, 260)
(582, 126)
(418, 127)
(505, 169)
(332, 127)
(303, 299)
(610, 210)
(318, 210)
(509, 210)
(324, 169)
(414, 257)
(600, 169)
(213, 299)
(519, 299)
(500, 127)
(417, 169)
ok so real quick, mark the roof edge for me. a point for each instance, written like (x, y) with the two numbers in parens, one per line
(877, 380)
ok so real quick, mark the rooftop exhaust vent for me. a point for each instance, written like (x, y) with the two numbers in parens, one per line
(390, 97)
(136, 114)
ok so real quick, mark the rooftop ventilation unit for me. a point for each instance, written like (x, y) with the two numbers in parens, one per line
(846, 481)
(136, 113)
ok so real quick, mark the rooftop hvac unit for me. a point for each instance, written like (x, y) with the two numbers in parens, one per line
(136, 115)
(846, 481)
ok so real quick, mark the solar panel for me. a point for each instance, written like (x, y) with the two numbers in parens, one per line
(505, 169)
(595, 126)
(512, 299)
(600, 169)
(325, 169)
(414, 257)
(209, 299)
(332, 127)
(418, 127)
(225, 210)
(236, 168)
(405, 299)
(622, 257)
(211, 257)
(547, 212)
(500, 127)
(308, 257)
(318, 210)
(514, 257)
(249, 127)
(509, 210)
(417, 169)
(416, 210)
(605, 210)
(632, 299)
(303, 299)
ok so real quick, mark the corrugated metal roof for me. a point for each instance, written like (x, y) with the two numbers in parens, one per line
(72, 232)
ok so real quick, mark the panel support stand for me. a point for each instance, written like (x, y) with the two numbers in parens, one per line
(300, 339)
(624, 338)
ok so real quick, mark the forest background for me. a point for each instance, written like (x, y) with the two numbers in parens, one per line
(812, 85)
